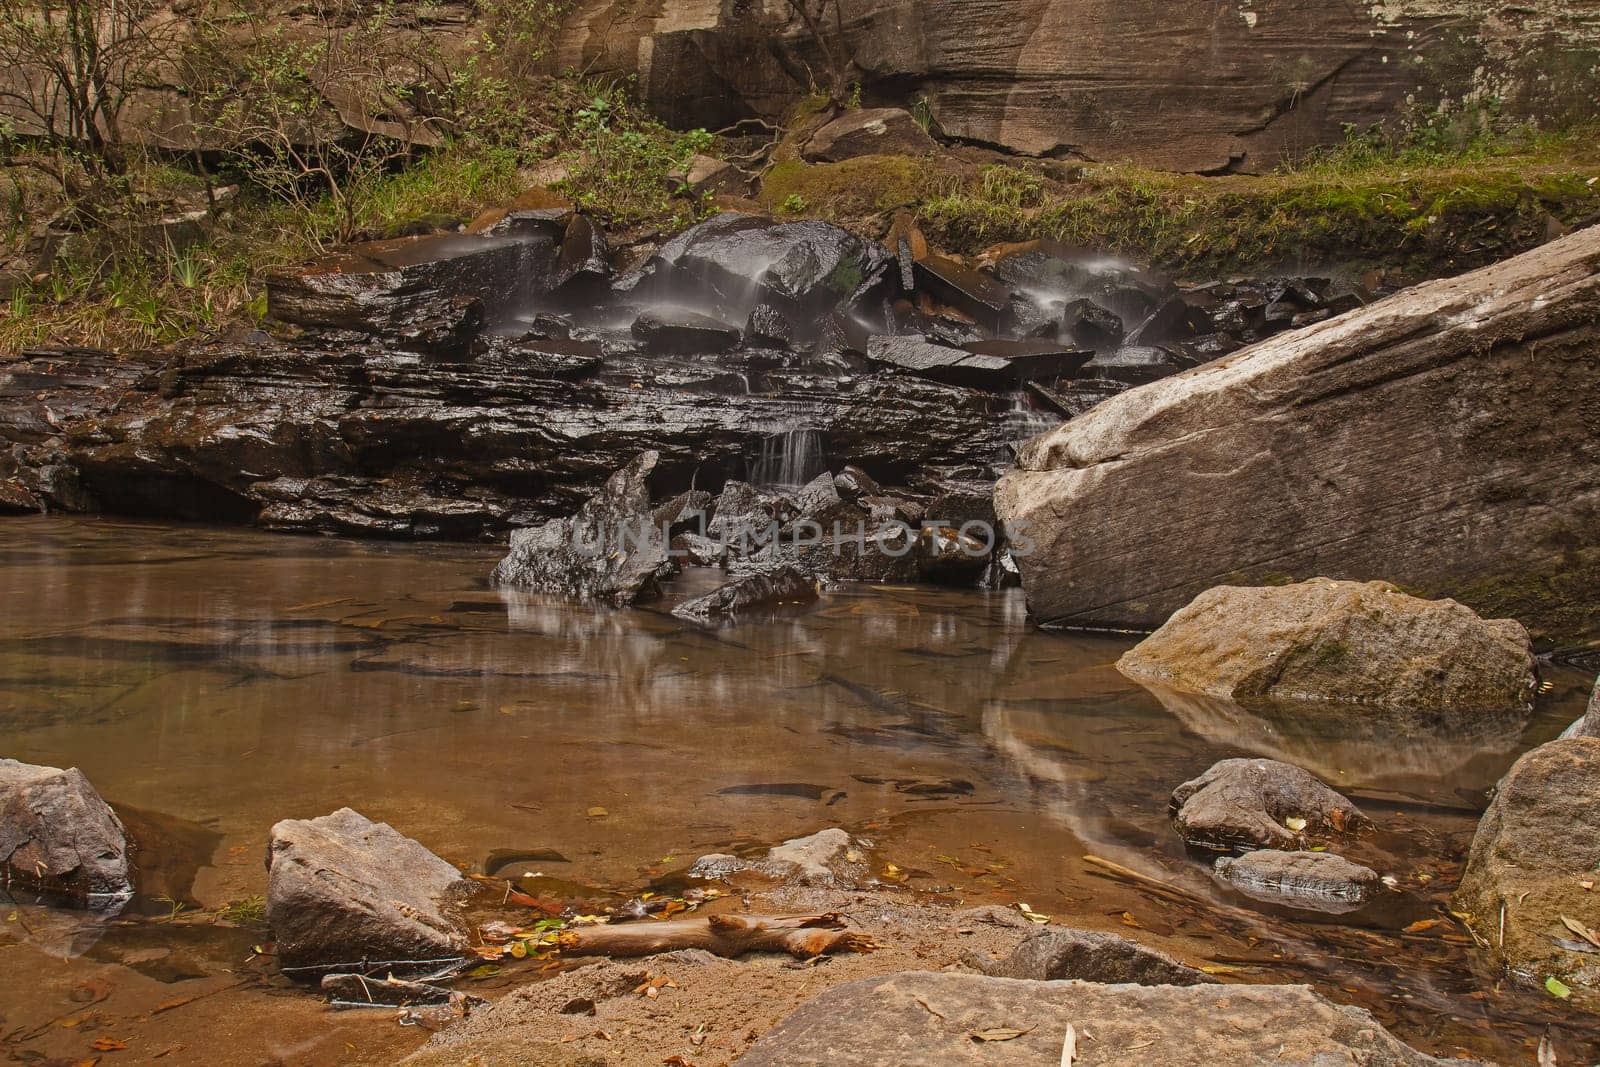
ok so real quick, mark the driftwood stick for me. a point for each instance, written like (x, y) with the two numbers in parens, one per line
(801, 936)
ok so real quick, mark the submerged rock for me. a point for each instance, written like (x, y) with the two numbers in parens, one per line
(1091, 956)
(825, 858)
(1392, 440)
(1316, 881)
(1246, 803)
(925, 1017)
(1534, 861)
(58, 837)
(866, 132)
(612, 550)
(344, 892)
(1361, 642)
(765, 591)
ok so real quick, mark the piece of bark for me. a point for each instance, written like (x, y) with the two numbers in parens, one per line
(801, 936)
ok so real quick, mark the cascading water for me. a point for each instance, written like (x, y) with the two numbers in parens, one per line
(792, 457)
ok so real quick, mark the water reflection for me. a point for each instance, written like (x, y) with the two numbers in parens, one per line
(230, 679)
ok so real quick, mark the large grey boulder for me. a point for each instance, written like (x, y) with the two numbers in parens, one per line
(343, 889)
(1535, 860)
(611, 550)
(925, 1019)
(1350, 642)
(1442, 438)
(1246, 803)
(58, 836)
(1057, 952)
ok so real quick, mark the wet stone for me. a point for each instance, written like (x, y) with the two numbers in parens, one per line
(681, 332)
(1061, 952)
(57, 836)
(1246, 803)
(1317, 881)
(767, 591)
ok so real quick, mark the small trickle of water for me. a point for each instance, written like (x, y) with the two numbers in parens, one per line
(1025, 421)
(792, 457)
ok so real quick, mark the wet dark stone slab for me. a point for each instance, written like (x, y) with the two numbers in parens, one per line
(996, 365)
(975, 294)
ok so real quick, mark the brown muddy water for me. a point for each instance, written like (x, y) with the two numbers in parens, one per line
(210, 682)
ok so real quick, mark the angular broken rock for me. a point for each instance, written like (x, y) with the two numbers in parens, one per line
(1246, 803)
(762, 591)
(611, 550)
(1359, 642)
(343, 889)
(1536, 847)
(678, 332)
(924, 1017)
(1411, 417)
(390, 287)
(825, 858)
(867, 132)
(1088, 955)
(57, 836)
(1317, 881)
(996, 365)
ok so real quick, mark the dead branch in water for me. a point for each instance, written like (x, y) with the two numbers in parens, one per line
(801, 936)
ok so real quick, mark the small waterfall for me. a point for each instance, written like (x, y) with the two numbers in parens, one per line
(792, 457)
(1024, 420)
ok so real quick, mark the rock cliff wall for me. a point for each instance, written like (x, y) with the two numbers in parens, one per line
(1195, 86)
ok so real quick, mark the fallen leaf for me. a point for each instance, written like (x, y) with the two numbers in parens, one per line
(107, 1044)
(1069, 1046)
(1032, 915)
(1581, 930)
(1422, 924)
(999, 1033)
(1128, 919)
(1295, 823)
(598, 813)
(1557, 988)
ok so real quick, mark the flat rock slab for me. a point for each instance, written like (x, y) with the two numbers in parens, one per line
(1315, 881)
(1344, 642)
(343, 889)
(1055, 953)
(926, 1019)
(998, 365)
(1410, 440)
(1537, 845)
(58, 836)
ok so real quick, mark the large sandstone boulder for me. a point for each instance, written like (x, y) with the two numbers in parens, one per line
(1535, 862)
(58, 836)
(1350, 642)
(922, 1018)
(1181, 86)
(343, 889)
(1443, 438)
(611, 550)
(1248, 803)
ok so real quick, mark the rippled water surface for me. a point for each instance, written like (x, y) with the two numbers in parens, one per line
(211, 682)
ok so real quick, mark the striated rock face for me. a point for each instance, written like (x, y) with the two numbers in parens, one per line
(1244, 803)
(343, 889)
(58, 836)
(1090, 956)
(612, 550)
(1537, 846)
(921, 1017)
(1410, 440)
(1349, 642)
(1196, 87)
